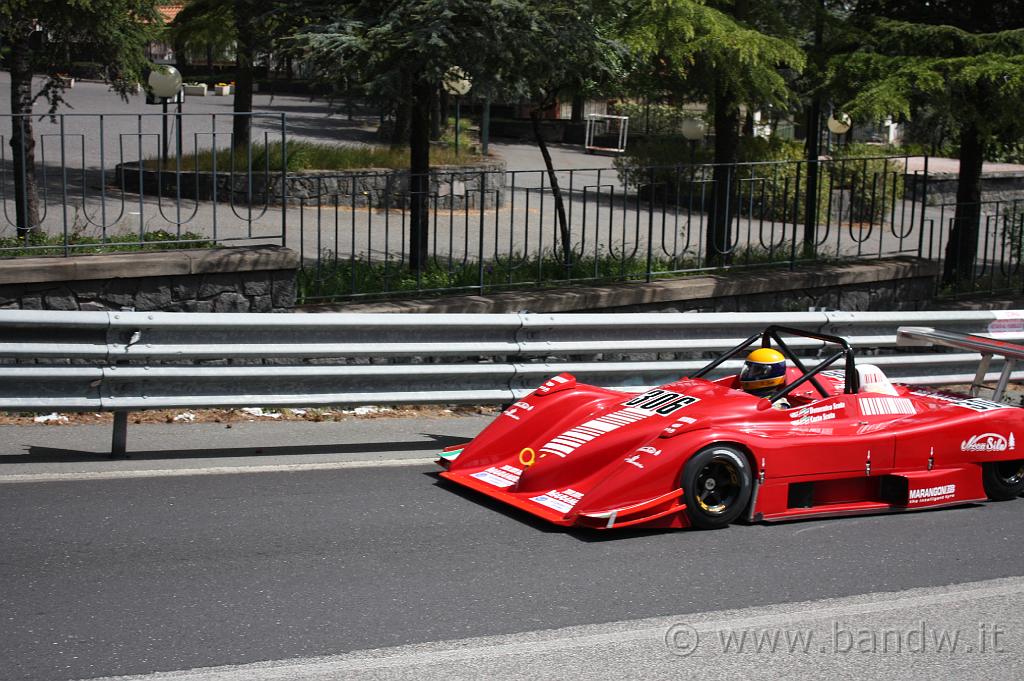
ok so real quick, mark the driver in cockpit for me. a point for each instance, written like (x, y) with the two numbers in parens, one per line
(764, 372)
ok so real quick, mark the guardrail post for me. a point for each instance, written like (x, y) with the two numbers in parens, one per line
(119, 441)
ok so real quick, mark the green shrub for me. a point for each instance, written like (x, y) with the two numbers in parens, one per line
(766, 177)
(304, 156)
(39, 243)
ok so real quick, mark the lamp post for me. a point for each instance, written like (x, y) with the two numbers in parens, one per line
(838, 123)
(456, 82)
(693, 130)
(165, 82)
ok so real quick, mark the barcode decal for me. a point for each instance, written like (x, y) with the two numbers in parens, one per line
(882, 406)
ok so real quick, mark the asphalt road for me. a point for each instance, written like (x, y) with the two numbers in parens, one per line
(136, 575)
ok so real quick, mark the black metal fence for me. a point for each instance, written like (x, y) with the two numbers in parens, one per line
(115, 181)
(73, 183)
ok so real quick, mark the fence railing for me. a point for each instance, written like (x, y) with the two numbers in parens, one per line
(103, 182)
(73, 183)
(130, 361)
(490, 230)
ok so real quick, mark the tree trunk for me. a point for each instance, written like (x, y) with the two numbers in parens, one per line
(748, 123)
(578, 104)
(962, 248)
(556, 190)
(241, 127)
(209, 60)
(435, 118)
(400, 131)
(813, 171)
(419, 174)
(718, 244)
(23, 142)
(814, 138)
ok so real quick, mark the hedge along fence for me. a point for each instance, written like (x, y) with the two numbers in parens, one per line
(770, 181)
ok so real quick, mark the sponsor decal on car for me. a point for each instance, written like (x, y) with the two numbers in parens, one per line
(678, 425)
(506, 476)
(885, 406)
(635, 459)
(513, 411)
(661, 402)
(824, 412)
(988, 442)
(927, 495)
(574, 438)
(972, 403)
(561, 501)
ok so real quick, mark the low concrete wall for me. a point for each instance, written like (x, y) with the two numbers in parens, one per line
(241, 279)
(451, 186)
(1008, 186)
(893, 284)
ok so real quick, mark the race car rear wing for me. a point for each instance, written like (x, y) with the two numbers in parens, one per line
(1010, 352)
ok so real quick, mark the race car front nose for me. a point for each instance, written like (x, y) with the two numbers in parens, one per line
(634, 514)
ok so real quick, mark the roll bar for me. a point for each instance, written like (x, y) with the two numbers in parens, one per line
(774, 334)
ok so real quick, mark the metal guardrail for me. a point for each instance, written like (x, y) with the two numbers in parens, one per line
(129, 361)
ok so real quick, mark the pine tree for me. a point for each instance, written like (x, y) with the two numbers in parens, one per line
(727, 53)
(976, 78)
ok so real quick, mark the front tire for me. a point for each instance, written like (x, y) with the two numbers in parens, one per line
(1003, 480)
(716, 483)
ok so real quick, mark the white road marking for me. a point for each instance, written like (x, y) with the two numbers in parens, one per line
(498, 652)
(210, 470)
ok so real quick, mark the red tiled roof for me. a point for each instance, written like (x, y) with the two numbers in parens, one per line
(170, 10)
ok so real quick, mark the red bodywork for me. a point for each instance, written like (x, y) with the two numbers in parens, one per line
(580, 455)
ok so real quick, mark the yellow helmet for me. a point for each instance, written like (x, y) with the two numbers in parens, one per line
(764, 370)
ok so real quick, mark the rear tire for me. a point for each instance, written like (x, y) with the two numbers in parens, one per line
(1003, 480)
(716, 483)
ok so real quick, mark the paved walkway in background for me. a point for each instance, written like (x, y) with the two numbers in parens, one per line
(604, 219)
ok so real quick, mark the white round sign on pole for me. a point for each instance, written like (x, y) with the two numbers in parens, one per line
(456, 81)
(693, 129)
(839, 123)
(165, 81)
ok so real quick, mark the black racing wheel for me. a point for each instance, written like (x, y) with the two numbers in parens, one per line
(1003, 480)
(716, 483)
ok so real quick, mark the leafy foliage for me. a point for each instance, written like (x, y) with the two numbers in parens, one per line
(113, 33)
(767, 178)
(38, 244)
(690, 47)
(304, 156)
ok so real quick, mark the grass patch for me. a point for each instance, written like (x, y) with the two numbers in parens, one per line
(53, 244)
(306, 156)
(340, 278)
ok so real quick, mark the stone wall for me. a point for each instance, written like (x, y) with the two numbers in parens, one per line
(240, 279)
(450, 186)
(892, 284)
(1003, 186)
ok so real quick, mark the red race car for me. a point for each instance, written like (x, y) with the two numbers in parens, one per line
(702, 453)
